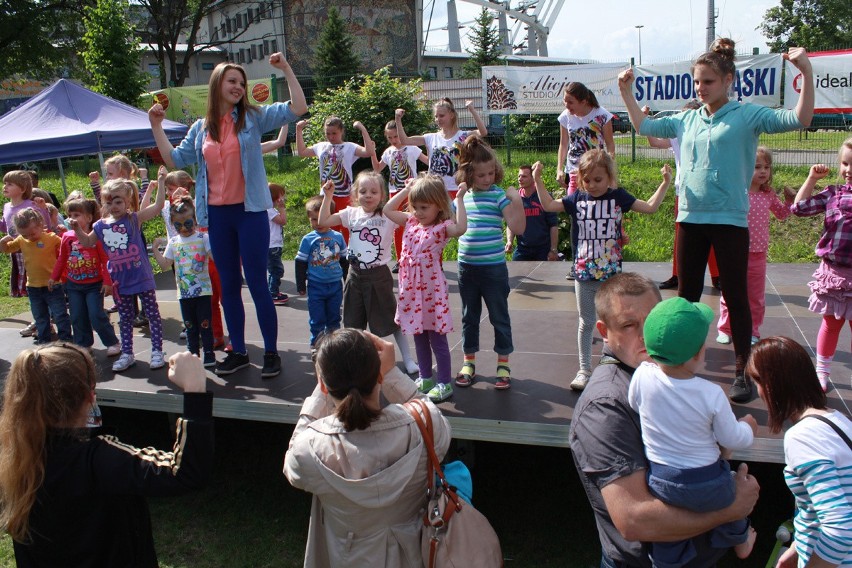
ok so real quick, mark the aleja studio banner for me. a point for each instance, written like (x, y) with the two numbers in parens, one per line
(538, 90)
(832, 82)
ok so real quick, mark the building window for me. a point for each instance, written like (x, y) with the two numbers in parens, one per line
(433, 72)
(254, 52)
(240, 57)
(237, 23)
(266, 47)
(274, 46)
(154, 69)
(207, 66)
(227, 26)
(448, 72)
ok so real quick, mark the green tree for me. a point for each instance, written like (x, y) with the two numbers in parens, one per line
(38, 38)
(112, 55)
(334, 55)
(485, 45)
(812, 24)
(372, 99)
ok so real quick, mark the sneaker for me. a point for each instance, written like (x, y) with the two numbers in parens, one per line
(723, 338)
(271, 365)
(140, 321)
(411, 367)
(124, 362)
(424, 385)
(395, 270)
(571, 273)
(669, 284)
(28, 331)
(580, 381)
(158, 360)
(114, 350)
(112, 309)
(280, 299)
(716, 283)
(754, 339)
(232, 363)
(824, 378)
(182, 333)
(740, 390)
(440, 392)
(209, 359)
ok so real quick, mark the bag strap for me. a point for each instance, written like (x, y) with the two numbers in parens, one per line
(834, 427)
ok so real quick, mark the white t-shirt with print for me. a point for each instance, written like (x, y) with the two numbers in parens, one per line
(402, 165)
(444, 155)
(370, 236)
(335, 163)
(584, 133)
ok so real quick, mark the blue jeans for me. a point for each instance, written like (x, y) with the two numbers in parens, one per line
(489, 282)
(324, 301)
(607, 562)
(235, 236)
(46, 304)
(274, 269)
(87, 313)
(539, 253)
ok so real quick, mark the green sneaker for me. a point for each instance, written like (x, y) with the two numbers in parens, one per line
(440, 392)
(424, 385)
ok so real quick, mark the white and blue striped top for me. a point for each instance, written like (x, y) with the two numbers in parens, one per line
(819, 474)
(482, 243)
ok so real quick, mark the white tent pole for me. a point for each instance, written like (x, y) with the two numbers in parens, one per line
(62, 176)
(101, 160)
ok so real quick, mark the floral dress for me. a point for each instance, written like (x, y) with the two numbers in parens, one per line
(424, 302)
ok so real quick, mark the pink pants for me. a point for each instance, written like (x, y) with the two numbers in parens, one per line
(756, 279)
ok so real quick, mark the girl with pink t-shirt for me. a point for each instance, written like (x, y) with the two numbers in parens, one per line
(762, 201)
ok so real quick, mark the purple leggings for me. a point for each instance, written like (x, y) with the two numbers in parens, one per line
(431, 341)
(126, 314)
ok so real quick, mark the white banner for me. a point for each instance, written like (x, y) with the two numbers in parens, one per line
(539, 90)
(832, 82)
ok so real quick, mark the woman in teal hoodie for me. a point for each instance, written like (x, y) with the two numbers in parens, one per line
(718, 144)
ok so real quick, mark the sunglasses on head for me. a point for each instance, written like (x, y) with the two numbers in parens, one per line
(188, 224)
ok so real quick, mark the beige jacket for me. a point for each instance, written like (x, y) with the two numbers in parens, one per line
(369, 485)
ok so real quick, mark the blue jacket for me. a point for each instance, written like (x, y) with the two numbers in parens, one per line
(257, 197)
(717, 155)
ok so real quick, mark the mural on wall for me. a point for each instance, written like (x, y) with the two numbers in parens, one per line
(385, 32)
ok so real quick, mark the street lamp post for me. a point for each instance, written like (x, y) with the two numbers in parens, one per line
(640, 42)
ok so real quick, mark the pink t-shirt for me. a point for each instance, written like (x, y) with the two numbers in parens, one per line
(225, 182)
(760, 204)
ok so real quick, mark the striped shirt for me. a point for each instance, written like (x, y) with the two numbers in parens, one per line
(819, 474)
(483, 241)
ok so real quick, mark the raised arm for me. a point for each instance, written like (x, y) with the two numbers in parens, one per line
(805, 107)
(609, 139)
(301, 150)
(403, 137)
(516, 219)
(368, 150)
(154, 209)
(480, 125)
(460, 226)
(378, 164)
(163, 262)
(547, 201)
(326, 218)
(297, 97)
(654, 202)
(625, 87)
(156, 115)
(391, 208)
(816, 173)
(272, 145)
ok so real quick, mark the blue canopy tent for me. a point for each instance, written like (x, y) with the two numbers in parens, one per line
(67, 120)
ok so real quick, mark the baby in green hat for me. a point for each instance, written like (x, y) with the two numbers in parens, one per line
(684, 421)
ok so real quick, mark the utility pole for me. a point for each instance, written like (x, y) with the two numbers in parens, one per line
(711, 22)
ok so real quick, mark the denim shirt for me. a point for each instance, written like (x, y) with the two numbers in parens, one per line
(257, 197)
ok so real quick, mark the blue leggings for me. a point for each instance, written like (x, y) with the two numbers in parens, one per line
(239, 236)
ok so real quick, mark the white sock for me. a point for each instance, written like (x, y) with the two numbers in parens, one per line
(405, 351)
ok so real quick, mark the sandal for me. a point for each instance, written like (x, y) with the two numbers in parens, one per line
(467, 375)
(504, 377)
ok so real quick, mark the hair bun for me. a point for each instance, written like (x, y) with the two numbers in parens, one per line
(725, 47)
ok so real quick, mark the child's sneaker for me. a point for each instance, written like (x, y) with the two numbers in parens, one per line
(424, 385)
(754, 339)
(28, 331)
(124, 362)
(280, 299)
(114, 350)
(140, 321)
(209, 359)
(158, 360)
(232, 363)
(182, 333)
(440, 392)
(580, 381)
(723, 338)
(411, 367)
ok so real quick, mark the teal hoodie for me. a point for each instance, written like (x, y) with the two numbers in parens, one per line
(717, 155)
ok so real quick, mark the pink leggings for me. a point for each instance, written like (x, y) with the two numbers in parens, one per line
(829, 333)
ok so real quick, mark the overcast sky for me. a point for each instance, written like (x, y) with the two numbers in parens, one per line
(605, 29)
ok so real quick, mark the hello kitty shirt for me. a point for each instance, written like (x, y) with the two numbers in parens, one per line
(190, 255)
(128, 258)
(424, 298)
(370, 237)
(335, 164)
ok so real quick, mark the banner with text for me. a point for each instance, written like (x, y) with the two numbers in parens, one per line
(188, 104)
(538, 90)
(832, 82)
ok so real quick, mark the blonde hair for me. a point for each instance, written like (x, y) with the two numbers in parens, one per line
(365, 176)
(180, 178)
(214, 101)
(764, 153)
(126, 168)
(46, 388)
(447, 103)
(596, 158)
(22, 179)
(430, 189)
(847, 144)
(26, 216)
(121, 186)
(476, 151)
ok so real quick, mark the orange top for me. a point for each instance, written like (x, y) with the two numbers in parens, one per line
(226, 184)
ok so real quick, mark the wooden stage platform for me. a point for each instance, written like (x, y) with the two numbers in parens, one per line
(538, 408)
